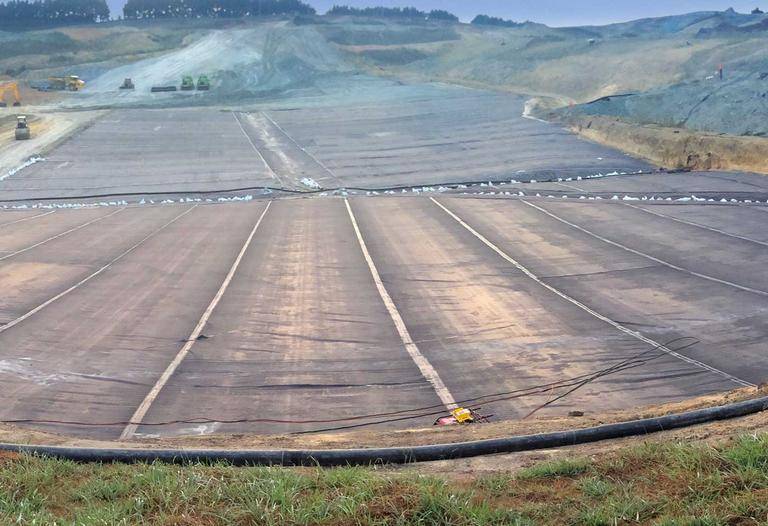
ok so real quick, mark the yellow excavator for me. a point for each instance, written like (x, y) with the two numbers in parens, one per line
(11, 87)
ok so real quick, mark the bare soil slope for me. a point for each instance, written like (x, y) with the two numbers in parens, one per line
(675, 148)
(670, 61)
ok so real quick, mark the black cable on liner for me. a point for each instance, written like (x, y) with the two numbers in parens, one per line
(531, 392)
(509, 395)
(452, 185)
(626, 364)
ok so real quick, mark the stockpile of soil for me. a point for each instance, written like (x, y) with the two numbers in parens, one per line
(736, 106)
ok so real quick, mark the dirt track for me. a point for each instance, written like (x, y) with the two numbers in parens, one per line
(48, 130)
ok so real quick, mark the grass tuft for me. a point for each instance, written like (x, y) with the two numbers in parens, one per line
(749, 452)
(595, 487)
(560, 468)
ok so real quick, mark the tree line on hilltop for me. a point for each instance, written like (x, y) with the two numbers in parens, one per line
(393, 12)
(415, 14)
(25, 14)
(152, 9)
(485, 20)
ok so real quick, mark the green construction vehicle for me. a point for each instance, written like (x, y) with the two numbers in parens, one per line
(187, 83)
(203, 83)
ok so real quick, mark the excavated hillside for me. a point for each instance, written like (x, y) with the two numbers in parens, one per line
(243, 63)
(667, 67)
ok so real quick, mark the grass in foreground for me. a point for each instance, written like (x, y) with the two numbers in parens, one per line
(664, 484)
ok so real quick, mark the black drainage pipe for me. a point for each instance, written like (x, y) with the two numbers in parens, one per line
(399, 455)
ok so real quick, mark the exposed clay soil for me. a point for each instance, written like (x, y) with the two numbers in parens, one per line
(676, 148)
(48, 130)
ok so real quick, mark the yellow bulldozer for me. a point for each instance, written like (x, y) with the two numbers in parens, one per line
(68, 83)
(11, 87)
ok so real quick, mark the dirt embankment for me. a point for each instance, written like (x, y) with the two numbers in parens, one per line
(48, 129)
(676, 148)
(710, 433)
(405, 438)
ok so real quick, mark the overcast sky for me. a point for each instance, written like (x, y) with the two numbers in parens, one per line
(551, 12)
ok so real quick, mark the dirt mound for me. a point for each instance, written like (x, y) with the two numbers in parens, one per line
(665, 60)
(578, 65)
(582, 64)
(240, 63)
(734, 105)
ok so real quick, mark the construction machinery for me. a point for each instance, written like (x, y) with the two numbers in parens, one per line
(67, 83)
(462, 416)
(203, 83)
(187, 83)
(22, 128)
(159, 89)
(11, 87)
(127, 84)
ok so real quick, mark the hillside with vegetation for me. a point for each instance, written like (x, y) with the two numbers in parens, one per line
(26, 14)
(165, 9)
(669, 67)
(666, 70)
